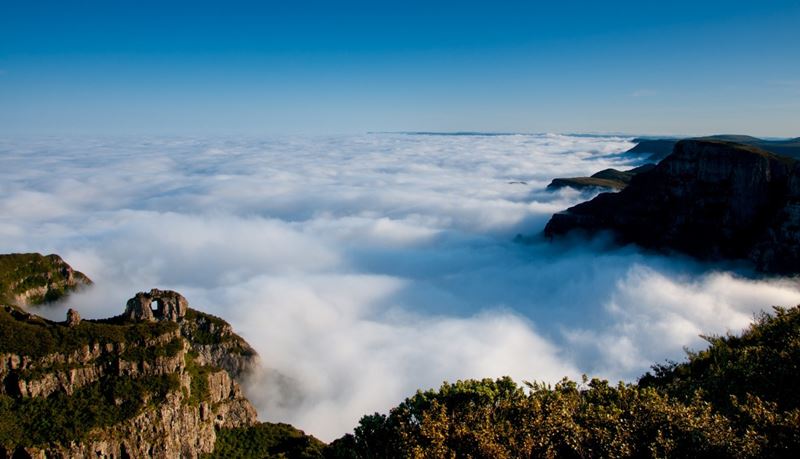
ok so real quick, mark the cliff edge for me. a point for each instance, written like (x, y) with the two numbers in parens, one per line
(710, 199)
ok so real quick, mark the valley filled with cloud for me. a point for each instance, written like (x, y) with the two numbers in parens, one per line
(365, 267)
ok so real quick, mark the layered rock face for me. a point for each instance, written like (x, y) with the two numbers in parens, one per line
(709, 199)
(32, 278)
(130, 386)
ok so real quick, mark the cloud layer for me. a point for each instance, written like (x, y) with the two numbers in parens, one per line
(364, 267)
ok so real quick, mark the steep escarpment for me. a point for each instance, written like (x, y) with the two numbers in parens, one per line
(710, 199)
(146, 383)
(32, 278)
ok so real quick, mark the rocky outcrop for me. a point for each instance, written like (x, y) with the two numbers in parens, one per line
(170, 306)
(32, 278)
(73, 318)
(162, 379)
(710, 199)
(607, 178)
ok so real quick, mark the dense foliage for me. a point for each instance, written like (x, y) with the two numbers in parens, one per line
(65, 418)
(266, 440)
(735, 399)
(764, 362)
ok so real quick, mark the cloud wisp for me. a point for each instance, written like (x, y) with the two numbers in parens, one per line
(365, 267)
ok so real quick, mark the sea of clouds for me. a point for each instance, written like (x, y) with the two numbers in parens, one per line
(365, 267)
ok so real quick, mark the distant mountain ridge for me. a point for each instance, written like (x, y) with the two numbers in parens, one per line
(658, 149)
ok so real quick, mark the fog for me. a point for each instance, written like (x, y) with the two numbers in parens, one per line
(362, 268)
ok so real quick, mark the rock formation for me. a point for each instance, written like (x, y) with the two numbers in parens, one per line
(73, 318)
(710, 199)
(169, 306)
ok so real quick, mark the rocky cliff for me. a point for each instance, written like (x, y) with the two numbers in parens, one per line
(32, 278)
(148, 383)
(710, 199)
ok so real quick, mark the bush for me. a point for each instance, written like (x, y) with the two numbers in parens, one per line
(737, 398)
(266, 440)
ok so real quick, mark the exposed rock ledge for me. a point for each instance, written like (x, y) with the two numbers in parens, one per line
(709, 199)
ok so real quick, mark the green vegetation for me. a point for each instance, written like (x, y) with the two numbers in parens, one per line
(736, 399)
(64, 418)
(266, 440)
(151, 353)
(34, 336)
(44, 278)
(763, 362)
(202, 328)
(199, 390)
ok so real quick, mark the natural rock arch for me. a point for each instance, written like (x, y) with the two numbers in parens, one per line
(170, 305)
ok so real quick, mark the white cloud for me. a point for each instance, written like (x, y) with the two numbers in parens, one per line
(362, 268)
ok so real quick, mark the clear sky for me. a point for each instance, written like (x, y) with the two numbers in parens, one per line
(230, 67)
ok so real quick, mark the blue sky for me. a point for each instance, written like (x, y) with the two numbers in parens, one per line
(189, 68)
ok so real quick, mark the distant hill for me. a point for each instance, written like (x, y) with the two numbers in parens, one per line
(607, 178)
(33, 278)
